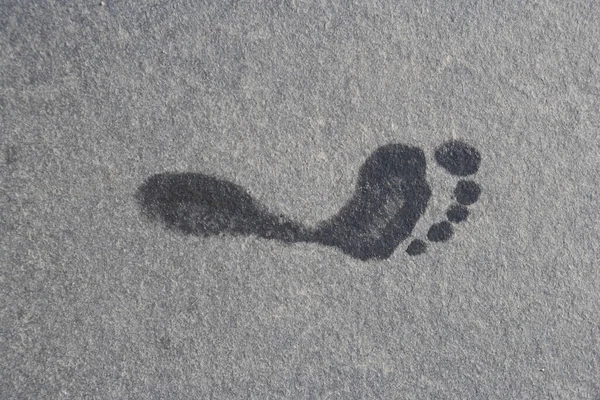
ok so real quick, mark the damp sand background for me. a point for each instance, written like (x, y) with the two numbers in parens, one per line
(288, 99)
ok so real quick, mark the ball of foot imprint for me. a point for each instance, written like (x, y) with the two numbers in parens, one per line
(458, 158)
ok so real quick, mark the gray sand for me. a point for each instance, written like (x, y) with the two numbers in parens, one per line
(287, 99)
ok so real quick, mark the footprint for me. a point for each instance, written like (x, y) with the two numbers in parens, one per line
(391, 196)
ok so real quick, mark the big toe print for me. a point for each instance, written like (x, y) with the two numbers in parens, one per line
(458, 158)
(391, 195)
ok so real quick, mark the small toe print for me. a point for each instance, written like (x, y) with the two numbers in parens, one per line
(416, 247)
(440, 232)
(458, 158)
(457, 213)
(467, 192)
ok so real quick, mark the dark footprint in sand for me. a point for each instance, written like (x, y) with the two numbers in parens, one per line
(391, 195)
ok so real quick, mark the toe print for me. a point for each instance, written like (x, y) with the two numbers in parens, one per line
(416, 247)
(458, 158)
(392, 194)
(457, 213)
(440, 232)
(467, 192)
